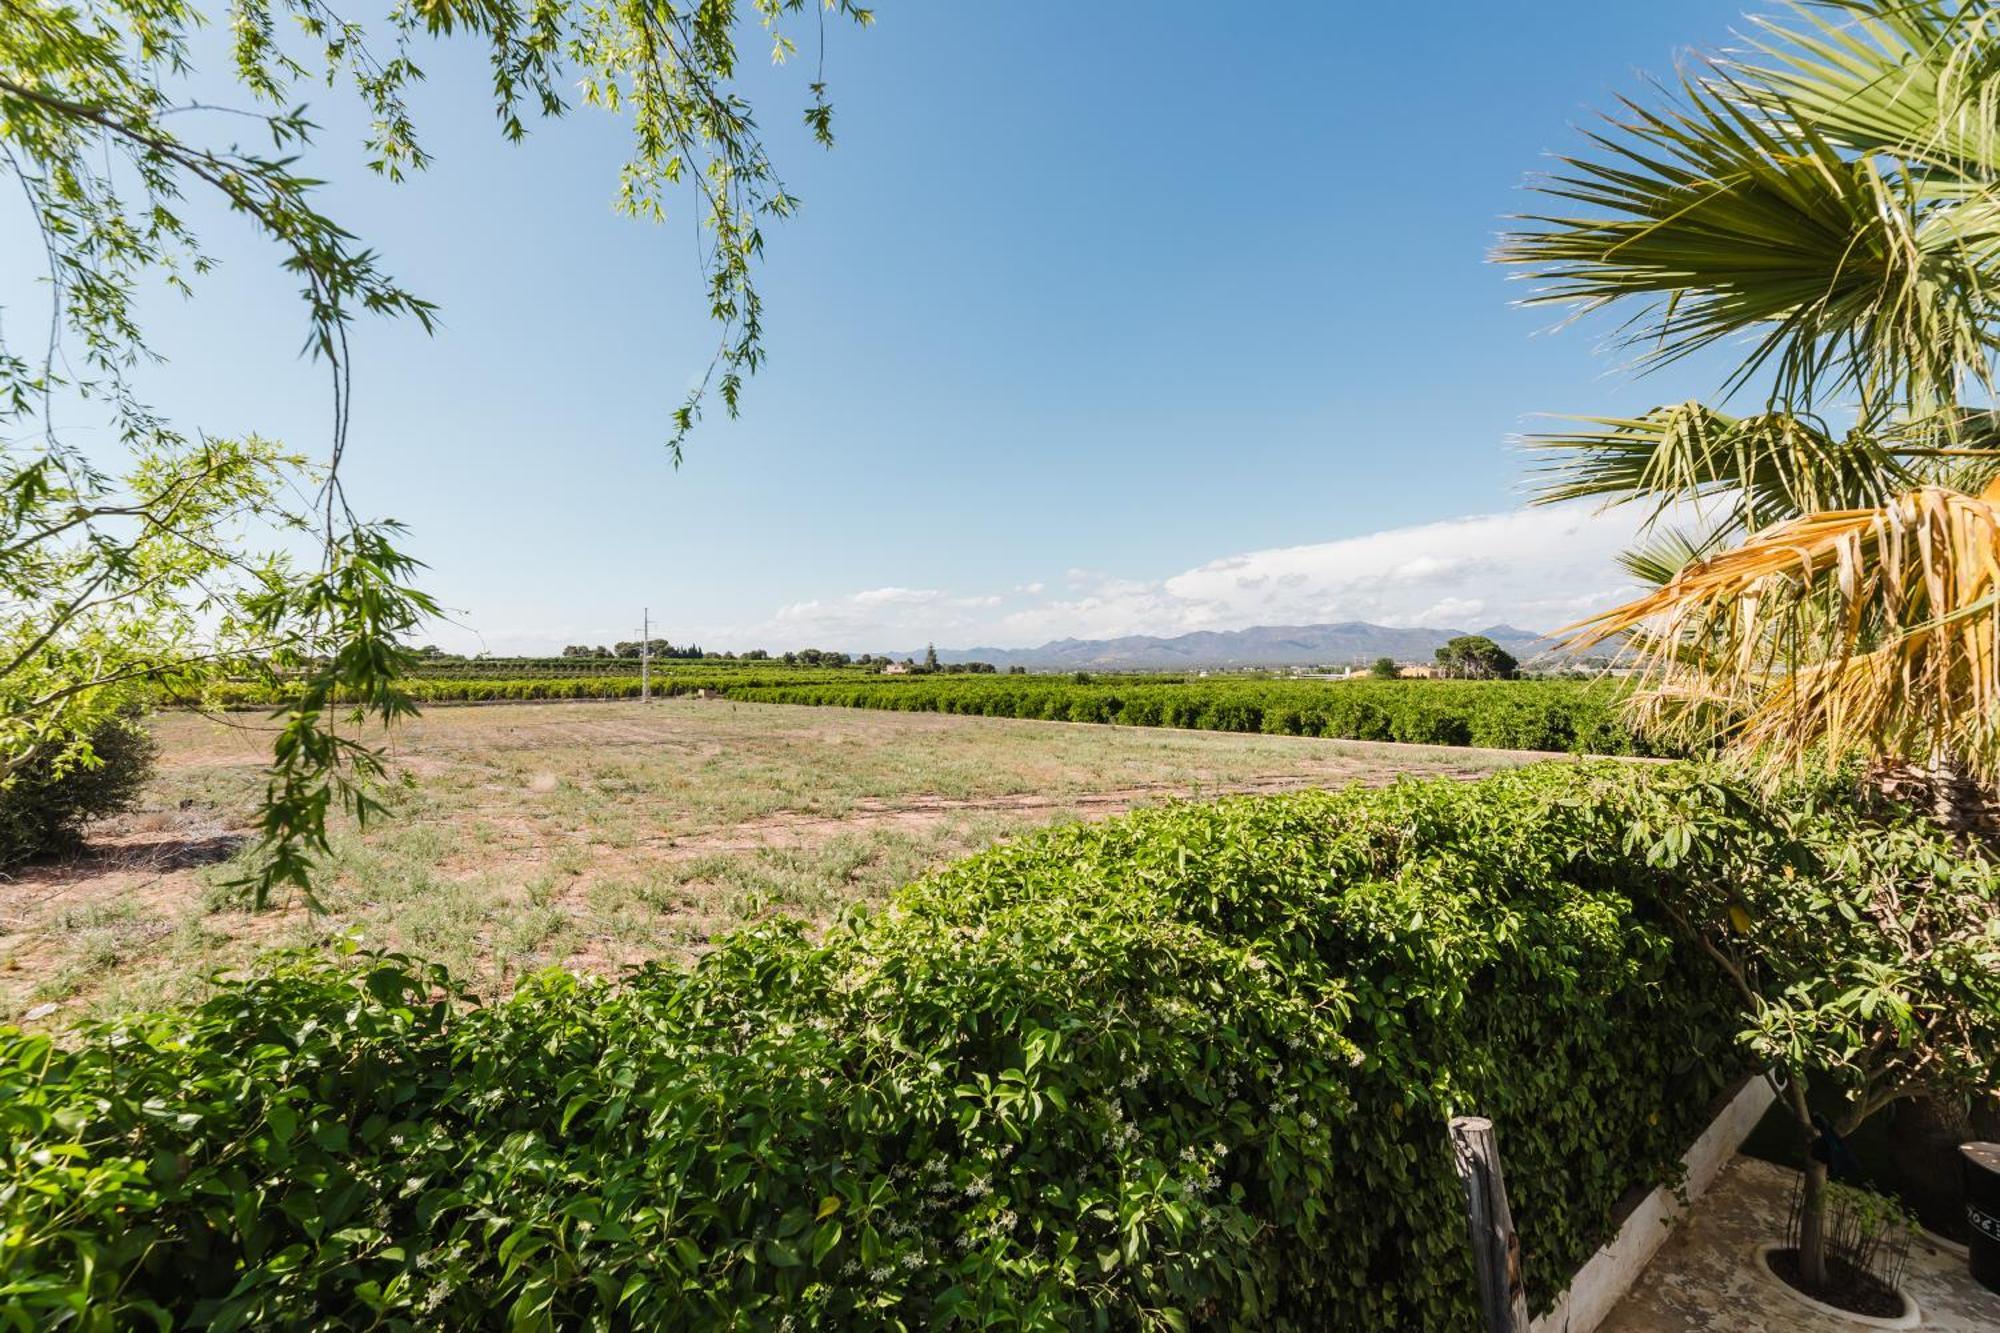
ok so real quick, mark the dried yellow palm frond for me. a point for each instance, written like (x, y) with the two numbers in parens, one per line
(1875, 629)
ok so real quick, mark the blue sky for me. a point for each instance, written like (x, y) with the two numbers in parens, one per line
(1100, 318)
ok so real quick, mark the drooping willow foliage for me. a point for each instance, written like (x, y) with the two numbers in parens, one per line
(149, 568)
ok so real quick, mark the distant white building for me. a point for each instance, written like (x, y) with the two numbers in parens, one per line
(896, 669)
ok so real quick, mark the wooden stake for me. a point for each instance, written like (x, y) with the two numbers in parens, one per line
(1496, 1250)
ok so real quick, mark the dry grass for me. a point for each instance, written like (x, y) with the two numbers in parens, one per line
(598, 835)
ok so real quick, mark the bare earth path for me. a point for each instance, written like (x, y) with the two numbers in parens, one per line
(598, 835)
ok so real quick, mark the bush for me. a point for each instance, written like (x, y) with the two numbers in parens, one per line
(1190, 1067)
(49, 800)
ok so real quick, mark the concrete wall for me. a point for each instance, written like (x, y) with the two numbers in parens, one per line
(1610, 1273)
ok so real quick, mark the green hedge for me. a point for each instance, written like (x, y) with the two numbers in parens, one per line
(1574, 717)
(1580, 717)
(505, 689)
(1187, 1068)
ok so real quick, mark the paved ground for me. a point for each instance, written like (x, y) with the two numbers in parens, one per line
(1703, 1279)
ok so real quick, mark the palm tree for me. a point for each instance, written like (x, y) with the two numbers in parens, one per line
(1827, 201)
(1822, 208)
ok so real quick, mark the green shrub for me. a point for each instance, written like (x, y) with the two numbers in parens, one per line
(1189, 1067)
(46, 802)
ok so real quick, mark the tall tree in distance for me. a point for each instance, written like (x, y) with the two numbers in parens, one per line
(162, 571)
(1476, 657)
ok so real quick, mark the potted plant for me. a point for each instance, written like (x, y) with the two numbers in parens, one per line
(1862, 941)
(1866, 1239)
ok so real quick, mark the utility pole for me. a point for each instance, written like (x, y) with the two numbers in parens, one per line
(645, 654)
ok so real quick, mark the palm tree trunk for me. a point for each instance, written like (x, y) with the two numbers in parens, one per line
(1986, 1118)
(1958, 804)
(1923, 1154)
(1944, 789)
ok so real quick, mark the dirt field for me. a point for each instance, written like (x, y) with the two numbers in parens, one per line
(597, 835)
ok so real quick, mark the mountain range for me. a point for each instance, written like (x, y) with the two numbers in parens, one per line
(1353, 642)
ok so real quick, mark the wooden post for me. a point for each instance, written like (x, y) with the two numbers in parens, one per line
(1496, 1250)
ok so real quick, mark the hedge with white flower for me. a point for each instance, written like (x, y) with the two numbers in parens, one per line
(1186, 1068)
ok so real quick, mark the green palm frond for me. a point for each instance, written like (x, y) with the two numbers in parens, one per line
(1918, 80)
(1760, 468)
(1665, 551)
(1957, 449)
(1720, 219)
(1829, 201)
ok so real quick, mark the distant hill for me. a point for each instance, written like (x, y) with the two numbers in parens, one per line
(1354, 642)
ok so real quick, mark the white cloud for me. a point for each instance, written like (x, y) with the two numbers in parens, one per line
(895, 596)
(1533, 568)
